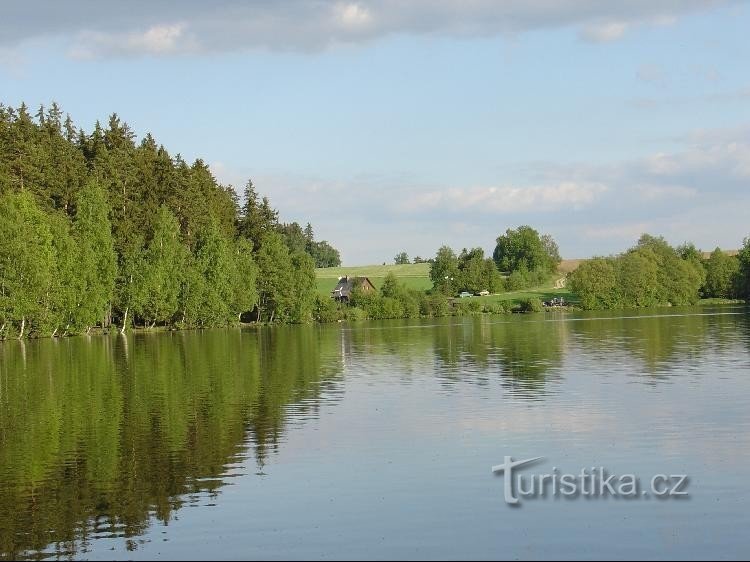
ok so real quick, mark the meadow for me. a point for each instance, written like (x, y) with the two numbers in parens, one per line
(413, 275)
(417, 276)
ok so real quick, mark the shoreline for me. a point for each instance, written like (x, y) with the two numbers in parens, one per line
(245, 325)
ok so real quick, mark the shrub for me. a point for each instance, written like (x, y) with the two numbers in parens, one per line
(354, 314)
(502, 307)
(532, 305)
(326, 309)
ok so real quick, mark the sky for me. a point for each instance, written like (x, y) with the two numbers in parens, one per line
(403, 126)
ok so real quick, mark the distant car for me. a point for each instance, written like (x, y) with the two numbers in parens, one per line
(465, 294)
(483, 293)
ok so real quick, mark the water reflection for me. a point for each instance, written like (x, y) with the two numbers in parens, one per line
(97, 436)
(100, 437)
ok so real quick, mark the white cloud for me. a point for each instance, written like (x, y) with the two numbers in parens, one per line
(353, 15)
(163, 39)
(653, 192)
(505, 199)
(729, 159)
(699, 192)
(139, 27)
(604, 32)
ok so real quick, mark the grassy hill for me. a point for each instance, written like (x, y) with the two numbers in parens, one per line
(416, 276)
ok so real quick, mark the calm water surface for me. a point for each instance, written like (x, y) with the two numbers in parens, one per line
(376, 440)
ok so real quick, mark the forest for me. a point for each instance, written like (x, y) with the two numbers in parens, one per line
(653, 273)
(100, 230)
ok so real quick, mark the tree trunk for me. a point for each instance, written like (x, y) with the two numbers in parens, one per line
(273, 313)
(23, 327)
(124, 321)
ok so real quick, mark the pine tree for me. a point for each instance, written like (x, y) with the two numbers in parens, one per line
(258, 218)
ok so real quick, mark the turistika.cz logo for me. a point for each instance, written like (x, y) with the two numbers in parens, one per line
(593, 482)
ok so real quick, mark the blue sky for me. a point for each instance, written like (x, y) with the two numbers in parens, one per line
(404, 126)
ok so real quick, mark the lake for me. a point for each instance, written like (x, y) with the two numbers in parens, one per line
(376, 440)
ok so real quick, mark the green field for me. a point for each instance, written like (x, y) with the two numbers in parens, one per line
(414, 276)
(417, 276)
(541, 293)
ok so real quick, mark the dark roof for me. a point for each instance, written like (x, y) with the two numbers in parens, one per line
(347, 284)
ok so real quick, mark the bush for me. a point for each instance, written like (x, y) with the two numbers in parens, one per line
(532, 305)
(722, 276)
(524, 279)
(435, 305)
(516, 281)
(326, 310)
(502, 307)
(354, 314)
(467, 307)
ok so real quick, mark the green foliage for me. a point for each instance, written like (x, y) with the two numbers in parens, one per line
(245, 278)
(650, 274)
(300, 299)
(722, 276)
(27, 262)
(96, 258)
(215, 267)
(524, 249)
(65, 292)
(743, 282)
(274, 265)
(98, 228)
(401, 258)
(324, 254)
(163, 264)
(524, 279)
(326, 310)
(475, 273)
(257, 218)
(390, 287)
(354, 314)
(498, 307)
(444, 272)
(596, 284)
(532, 305)
(435, 305)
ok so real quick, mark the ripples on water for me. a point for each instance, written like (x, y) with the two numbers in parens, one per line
(375, 440)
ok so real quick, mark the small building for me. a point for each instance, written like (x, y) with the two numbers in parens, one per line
(346, 285)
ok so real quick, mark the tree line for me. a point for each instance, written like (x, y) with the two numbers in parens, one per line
(99, 230)
(522, 258)
(653, 273)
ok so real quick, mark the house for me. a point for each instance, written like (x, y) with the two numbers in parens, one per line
(347, 284)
